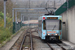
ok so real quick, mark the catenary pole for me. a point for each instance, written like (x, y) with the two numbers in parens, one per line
(13, 14)
(67, 18)
(5, 13)
(16, 16)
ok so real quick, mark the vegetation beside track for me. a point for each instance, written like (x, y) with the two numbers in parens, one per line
(5, 33)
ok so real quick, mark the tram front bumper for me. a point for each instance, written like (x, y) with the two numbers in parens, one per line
(51, 37)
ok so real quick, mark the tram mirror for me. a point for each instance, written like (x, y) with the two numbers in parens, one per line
(43, 20)
(63, 22)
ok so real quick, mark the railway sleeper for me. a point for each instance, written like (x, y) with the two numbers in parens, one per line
(26, 48)
(56, 48)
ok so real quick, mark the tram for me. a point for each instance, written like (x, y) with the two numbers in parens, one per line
(50, 27)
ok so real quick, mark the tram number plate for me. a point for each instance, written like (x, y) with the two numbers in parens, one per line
(52, 17)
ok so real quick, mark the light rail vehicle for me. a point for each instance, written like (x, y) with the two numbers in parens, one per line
(50, 28)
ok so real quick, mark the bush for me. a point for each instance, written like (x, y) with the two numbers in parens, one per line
(1, 15)
(5, 33)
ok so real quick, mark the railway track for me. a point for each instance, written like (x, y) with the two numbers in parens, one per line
(31, 41)
(29, 37)
(23, 41)
(21, 47)
(59, 46)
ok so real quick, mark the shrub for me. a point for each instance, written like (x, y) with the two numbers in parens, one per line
(5, 33)
(1, 15)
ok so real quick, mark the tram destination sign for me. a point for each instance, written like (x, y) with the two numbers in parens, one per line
(52, 17)
(5, 0)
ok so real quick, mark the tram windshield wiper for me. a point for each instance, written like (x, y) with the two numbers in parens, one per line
(54, 27)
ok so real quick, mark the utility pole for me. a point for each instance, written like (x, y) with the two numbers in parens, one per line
(13, 14)
(16, 16)
(54, 3)
(29, 3)
(5, 13)
(67, 18)
(67, 4)
(54, 7)
(21, 17)
(28, 21)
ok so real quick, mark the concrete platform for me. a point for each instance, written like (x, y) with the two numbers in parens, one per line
(9, 44)
(70, 44)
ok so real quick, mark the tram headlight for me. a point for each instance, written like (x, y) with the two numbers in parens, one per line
(48, 34)
(56, 34)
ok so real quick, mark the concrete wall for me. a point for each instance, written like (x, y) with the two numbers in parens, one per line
(64, 26)
(69, 27)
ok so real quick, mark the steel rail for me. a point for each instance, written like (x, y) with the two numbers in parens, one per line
(57, 44)
(60, 46)
(31, 41)
(22, 42)
(50, 46)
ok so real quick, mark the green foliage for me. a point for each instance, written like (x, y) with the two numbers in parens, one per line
(1, 15)
(5, 33)
(9, 23)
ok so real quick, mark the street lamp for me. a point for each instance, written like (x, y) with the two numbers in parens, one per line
(5, 13)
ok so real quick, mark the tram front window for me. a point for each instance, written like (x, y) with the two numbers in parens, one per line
(52, 24)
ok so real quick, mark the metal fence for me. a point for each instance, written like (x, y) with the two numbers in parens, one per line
(17, 26)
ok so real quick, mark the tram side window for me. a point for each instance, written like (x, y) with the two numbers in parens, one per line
(39, 23)
(60, 25)
(44, 25)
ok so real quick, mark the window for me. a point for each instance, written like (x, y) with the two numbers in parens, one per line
(44, 25)
(52, 24)
(40, 23)
(60, 25)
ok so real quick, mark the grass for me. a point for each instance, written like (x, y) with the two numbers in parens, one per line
(4, 34)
